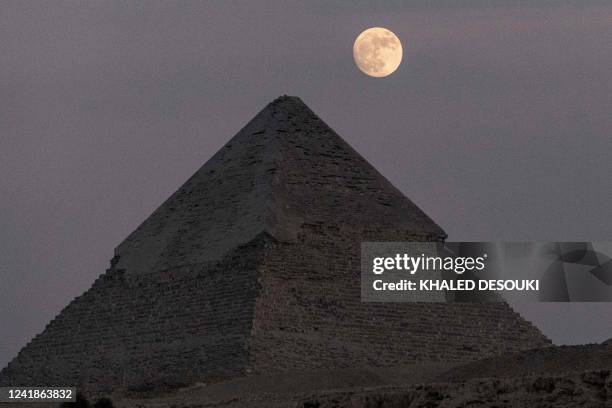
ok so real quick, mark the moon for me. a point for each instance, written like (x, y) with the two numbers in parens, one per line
(377, 52)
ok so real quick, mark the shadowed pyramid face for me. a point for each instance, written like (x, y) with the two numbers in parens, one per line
(252, 266)
(286, 168)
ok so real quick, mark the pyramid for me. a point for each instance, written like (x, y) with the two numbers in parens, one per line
(253, 266)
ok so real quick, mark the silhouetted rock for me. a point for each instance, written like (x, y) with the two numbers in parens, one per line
(103, 403)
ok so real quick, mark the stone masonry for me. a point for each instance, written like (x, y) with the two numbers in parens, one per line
(252, 266)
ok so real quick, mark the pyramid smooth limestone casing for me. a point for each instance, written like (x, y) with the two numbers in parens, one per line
(284, 169)
(253, 266)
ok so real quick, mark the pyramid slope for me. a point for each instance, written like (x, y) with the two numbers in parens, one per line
(286, 168)
(154, 330)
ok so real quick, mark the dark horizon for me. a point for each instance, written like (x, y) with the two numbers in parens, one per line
(496, 124)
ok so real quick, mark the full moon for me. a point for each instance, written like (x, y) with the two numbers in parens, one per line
(377, 52)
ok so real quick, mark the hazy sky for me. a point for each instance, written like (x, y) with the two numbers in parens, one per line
(498, 123)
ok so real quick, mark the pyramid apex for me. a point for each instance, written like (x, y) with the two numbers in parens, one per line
(287, 102)
(287, 98)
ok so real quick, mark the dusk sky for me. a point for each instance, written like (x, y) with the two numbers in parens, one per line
(497, 123)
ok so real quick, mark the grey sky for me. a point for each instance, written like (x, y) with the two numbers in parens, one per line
(497, 123)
